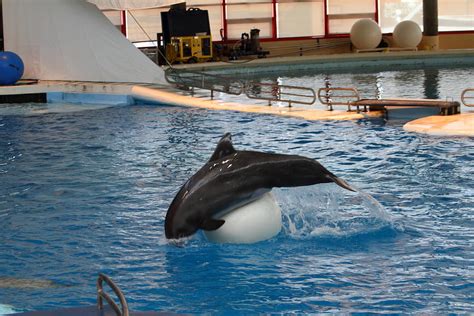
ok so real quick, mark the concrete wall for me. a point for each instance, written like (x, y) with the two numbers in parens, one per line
(309, 47)
(456, 41)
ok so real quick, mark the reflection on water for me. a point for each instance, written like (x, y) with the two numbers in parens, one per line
(405, 82)
(431, 83)
(45, 108)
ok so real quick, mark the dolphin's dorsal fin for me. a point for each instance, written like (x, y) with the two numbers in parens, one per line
(224, 148)
(211, 224)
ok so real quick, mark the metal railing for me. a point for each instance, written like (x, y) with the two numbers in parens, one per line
(339, 96)
(273, 92)
(101, 295)
(190, 79)
(467, 94)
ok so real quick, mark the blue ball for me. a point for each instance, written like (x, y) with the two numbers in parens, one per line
(11, 68)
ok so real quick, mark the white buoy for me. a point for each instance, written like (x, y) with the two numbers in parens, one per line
(366, 34)
(407, 34)
(257, 221)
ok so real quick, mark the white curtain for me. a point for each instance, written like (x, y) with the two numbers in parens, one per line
(132, 4)
(72, 40)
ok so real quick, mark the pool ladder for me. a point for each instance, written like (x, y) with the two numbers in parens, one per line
(468, 94)
(340, 96)
(270, 92)
(101, 295)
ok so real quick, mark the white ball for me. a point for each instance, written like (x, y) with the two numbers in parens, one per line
(366, 34)
(407, 34)
(257, 221)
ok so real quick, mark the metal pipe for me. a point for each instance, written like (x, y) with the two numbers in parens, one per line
(430, 17)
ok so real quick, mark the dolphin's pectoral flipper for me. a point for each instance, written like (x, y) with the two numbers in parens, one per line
(224, 148)
(211, 224)
(341, 183)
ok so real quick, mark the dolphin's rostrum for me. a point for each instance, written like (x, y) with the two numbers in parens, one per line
(231, 179)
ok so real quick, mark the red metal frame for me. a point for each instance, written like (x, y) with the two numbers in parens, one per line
(376, 18)
(224, 20)
(123, 21)
(326, 18)
(274, 20)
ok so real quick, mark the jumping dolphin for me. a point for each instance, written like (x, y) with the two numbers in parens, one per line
(233, 178)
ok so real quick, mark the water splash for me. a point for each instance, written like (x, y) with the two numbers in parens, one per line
(7, 309)
(326, 210)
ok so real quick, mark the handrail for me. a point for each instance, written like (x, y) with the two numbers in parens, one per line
(464, 97)
(202, 80)
(338, 96)
(273, 92)
(102, 295)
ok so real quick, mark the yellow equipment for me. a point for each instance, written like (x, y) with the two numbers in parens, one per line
(189, 49)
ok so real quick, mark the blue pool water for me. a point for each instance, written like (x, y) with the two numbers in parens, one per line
(85, 192)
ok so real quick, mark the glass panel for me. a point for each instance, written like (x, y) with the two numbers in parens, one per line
(246, 11)
(347, 7)
(248, 1)
(197, 3)
(215, 20)
(455, 15)
(150, 21)
(391, 12)
(235, 30)
(341, 26)
(300, 19)
(114, 17)
(343, 14)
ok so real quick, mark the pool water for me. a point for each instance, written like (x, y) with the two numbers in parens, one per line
(87, 191)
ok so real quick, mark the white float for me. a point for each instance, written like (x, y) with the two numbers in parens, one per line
(366, 34)
(257, 221)
(407, 34)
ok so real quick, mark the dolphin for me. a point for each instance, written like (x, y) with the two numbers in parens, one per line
(232, 178)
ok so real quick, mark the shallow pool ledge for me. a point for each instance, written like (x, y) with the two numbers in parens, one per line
(453, 125)
(146, 94)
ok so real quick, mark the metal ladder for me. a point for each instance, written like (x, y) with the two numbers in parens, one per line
(271, 92)
(190, 79)
(468, 94)
(339, 96)
(101, 295)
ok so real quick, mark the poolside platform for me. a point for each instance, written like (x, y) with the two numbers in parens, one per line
(129, 93)
(454, 125)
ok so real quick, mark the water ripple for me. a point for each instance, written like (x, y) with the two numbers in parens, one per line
(86, 192)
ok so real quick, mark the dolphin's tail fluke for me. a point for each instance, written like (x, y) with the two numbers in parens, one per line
(342, 183)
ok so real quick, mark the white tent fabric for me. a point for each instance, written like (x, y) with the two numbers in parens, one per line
(132, 4)
(72, 40)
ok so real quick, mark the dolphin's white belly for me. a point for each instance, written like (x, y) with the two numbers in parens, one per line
(253, 222)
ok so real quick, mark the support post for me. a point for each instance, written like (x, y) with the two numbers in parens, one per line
(224, 21)
(123, 19)
(274, 19)
(430, 25)
(2, 44)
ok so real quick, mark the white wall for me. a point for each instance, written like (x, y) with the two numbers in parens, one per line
(72, 40)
